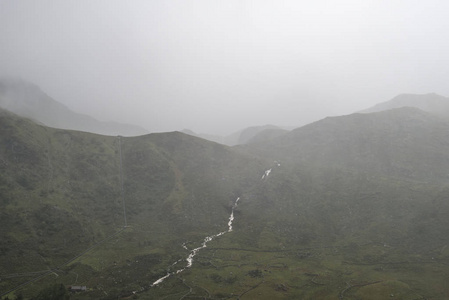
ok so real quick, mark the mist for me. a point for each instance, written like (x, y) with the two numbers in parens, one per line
(219, 66)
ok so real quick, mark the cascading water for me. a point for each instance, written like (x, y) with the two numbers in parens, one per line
(193, 252)
(231, 217)
(207, 239)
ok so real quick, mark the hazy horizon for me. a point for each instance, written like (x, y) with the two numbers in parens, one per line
(217, 67)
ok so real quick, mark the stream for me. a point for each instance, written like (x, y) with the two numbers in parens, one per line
(206, 240)
(193, 252)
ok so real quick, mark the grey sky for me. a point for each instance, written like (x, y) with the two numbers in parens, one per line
(219, 66)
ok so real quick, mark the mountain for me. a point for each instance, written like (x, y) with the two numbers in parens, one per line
(407, 143)
(249, 133)
(266, 135)
(210, 137)
(240, 137)
(432, 103)
(350, 207)
(360, 155)
(61, 194)
(27, 100)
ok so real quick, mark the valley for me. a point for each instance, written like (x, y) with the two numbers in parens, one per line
(351, 207)
(224, 150)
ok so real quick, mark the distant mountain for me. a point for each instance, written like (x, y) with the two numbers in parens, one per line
(249, 133)
(266, 135)
(28, 100)
(432, 103)
(210, 137)
(240, 137)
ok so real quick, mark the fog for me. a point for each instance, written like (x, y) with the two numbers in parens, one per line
(219, 66)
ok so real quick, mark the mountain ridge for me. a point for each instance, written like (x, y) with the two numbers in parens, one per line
(239, 137)
(358, 139)
(28, 100)
(430, 102)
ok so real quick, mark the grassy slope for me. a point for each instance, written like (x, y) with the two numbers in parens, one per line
(357, 210)
(313, 242)
(350, 226)
(61, 194)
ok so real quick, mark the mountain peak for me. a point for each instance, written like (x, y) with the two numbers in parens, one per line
(431, 102)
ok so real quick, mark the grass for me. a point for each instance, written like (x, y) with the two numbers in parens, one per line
(304, 233)
(321, 275)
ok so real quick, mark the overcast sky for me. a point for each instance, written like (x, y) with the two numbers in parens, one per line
(219, 66)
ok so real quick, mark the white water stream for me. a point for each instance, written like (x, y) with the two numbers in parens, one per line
(207, 239)
(193, 252)
(265, 175)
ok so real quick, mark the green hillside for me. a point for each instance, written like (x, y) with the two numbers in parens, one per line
(351, 207)
(406, 143)
(61, 194)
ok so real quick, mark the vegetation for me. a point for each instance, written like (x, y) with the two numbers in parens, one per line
(340, 216)
(54, 292)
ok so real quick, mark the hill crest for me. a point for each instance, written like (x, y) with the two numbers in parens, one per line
(431, 102)
(28, 100)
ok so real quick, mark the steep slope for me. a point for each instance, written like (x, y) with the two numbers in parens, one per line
(432, 103)
(406, 143)
(363, 170)
(61, 194)
(373, 188)
(27, 100)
